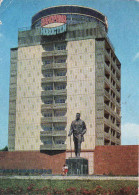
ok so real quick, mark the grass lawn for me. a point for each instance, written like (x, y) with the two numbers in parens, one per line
(27, 186)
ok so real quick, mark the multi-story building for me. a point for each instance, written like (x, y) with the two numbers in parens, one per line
(64, 64)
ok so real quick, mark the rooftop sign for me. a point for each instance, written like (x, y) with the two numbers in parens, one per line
(52, 25)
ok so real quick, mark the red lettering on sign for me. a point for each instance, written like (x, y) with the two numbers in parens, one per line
(53, 19)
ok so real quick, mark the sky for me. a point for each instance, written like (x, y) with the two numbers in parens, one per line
(123, 21)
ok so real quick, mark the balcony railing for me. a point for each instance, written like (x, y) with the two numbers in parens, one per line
(54, 92)
(107, 68)
(106, 135)
(107, 122)
(44, 134)
(106, 107)
(107, 81)
(54, 66)
(107, 94)
(54, 79)
(53, 106)
(115, 67)
(53, 147)
(45, 120)
(54, 53)
(107, 54)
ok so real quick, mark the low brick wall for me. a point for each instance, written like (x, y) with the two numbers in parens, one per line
(116, 160)
(108, 160)
(32, 160)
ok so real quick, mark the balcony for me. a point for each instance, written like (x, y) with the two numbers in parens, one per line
(107, 68)
(53, 92)
(59, 119)
(54, 53)
(107, 94)
(53, 106)
(115, 67)
(44, 134)
(54, 66)
(107, 80)
(115, 114)
(53, 147)
(47, 93)
(107, 122)
(54, 79)
(45, 120)
(107, 135)
(106, 107)
(118, 82)
(115, 91)
(113, 75)
(113, 125)
(113, 139)
(107, 54)
(118, 141)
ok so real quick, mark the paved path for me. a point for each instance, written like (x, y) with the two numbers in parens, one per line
(56, 177)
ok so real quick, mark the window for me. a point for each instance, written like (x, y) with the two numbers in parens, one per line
(47, 61)
(60, 113)
(48, 48)
(48, 101)
(60, 60)
(47, 114)
(48, 87)
(60, 87)
(60, 100)
(61, 47)
(59, 127)
(47, 127)
(59, 142)
(48, 74)
(47, 141)
(60, 73)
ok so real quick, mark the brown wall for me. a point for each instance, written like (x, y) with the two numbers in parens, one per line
(116, 160)
(32, 160)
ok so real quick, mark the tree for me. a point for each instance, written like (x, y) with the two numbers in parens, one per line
(4, 149)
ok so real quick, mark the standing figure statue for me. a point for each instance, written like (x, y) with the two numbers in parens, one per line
(78, 129)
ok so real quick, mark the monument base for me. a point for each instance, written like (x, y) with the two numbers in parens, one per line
(77, 166)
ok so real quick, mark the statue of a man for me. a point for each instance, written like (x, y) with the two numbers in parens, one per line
(78, 129)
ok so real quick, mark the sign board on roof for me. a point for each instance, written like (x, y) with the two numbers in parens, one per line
(52, 25)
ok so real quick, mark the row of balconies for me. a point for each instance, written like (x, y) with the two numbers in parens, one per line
(53, 133)
(54, 66)
(114, 64)
(107, 94)
(53, 119)
(109, 123)
(110, 136)
(54, 79)
(53, 147)
(112, 141)
(106, 107)
(108, 82)
(54, 53)
(53, 106)
(113, 77)
(54, 92)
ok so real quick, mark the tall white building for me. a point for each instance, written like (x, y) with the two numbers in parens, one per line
(64, 64)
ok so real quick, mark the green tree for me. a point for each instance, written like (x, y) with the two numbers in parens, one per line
(4, 149)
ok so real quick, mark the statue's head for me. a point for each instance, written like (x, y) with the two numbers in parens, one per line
(77, 116)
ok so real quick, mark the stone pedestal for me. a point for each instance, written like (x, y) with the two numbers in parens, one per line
(77, 166)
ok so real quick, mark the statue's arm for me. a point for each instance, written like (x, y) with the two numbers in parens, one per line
(71, 130)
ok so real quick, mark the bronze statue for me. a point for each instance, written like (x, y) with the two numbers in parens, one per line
(78, 129)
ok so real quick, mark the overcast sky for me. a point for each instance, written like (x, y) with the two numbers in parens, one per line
(123, 21)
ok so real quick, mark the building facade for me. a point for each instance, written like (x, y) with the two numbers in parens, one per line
(64, 64)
